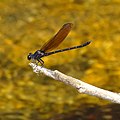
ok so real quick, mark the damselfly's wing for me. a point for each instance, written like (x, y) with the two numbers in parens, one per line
(58, 38)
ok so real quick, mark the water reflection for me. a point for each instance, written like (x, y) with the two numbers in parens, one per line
(92, 112)
(84, 112)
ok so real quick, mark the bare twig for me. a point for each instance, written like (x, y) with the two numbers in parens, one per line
(82, 87)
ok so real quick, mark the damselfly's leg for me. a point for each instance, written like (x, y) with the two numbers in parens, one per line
(41, 62)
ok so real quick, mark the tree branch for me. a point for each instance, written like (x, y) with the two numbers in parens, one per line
(82, 87)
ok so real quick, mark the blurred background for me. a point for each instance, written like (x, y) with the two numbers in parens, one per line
(25, 25)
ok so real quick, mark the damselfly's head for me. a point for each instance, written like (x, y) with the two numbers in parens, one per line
(36, 57)
(29, 56)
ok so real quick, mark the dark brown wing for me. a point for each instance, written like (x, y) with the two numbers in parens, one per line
(58, 38)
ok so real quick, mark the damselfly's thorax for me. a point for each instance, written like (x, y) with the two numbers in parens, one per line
(36, 56)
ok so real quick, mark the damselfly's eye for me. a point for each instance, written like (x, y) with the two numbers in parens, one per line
(29, 56)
